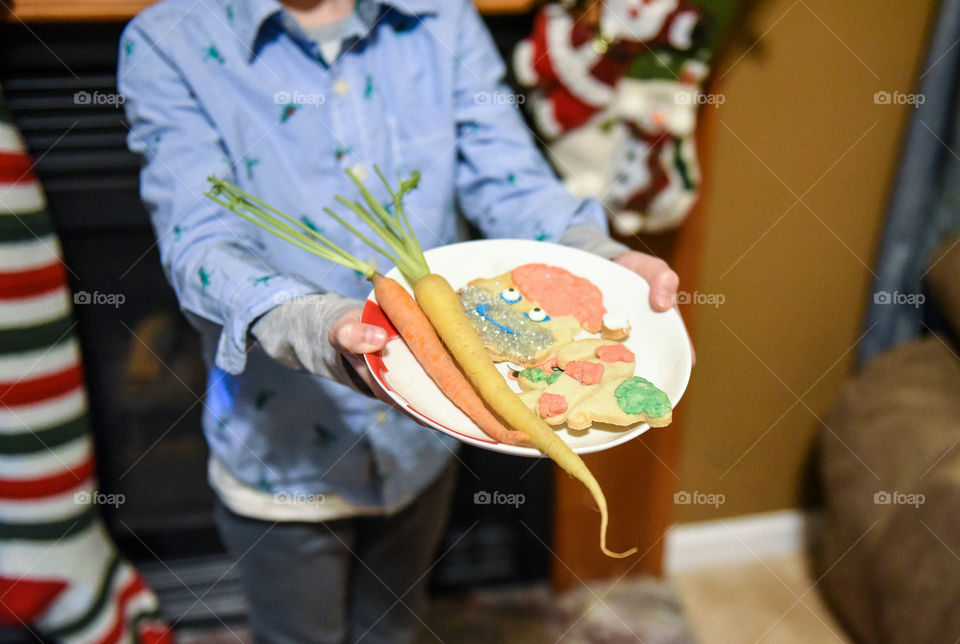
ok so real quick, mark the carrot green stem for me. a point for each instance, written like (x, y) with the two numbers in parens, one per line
(398, 209)
(394, 230)
(360, 235)
(378, 210)
(275, 221)
(385, 234)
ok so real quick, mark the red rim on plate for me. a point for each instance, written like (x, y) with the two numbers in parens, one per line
(373, 314)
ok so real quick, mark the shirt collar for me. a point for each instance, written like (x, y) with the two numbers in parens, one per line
(247, 17)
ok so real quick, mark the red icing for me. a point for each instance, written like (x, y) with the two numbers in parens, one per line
(559, 292)
(615, 353)
(588, 373)
(551, 404)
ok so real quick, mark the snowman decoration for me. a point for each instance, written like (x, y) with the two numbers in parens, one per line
(626, 141)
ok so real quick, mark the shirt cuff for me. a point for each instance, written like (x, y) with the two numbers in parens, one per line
(248, 304)
(593, 240)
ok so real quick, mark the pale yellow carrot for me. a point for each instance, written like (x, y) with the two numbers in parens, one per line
(442, 306)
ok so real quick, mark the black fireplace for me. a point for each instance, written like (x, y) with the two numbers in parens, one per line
(142, 360)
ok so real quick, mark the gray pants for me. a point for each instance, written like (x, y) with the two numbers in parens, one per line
(350, 580)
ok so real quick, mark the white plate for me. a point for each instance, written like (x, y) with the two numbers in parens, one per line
(659, 340)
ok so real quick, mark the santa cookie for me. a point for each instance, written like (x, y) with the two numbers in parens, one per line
(526, 314)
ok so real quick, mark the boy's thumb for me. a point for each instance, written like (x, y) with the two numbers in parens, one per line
(357, 337)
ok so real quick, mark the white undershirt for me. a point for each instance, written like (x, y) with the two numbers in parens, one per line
(329, 37)
(248, 501)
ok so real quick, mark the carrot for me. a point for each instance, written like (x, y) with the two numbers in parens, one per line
(396, 302)
(440, 304)
(420, 336)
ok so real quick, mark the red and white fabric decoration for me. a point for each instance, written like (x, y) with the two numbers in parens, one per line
(60, 574)
(625, 140)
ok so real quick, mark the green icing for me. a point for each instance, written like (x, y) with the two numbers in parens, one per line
(534, 374)
(638, 396)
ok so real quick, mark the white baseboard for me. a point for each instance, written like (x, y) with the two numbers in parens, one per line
(693, 546)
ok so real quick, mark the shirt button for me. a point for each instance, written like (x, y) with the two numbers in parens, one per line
(341, 87)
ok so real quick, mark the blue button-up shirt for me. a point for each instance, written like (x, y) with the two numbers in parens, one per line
(234, 88)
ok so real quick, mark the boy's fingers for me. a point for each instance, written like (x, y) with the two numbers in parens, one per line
(349, 335)
(361, 368)
(658, 274)
(663, 290)
(357, 337)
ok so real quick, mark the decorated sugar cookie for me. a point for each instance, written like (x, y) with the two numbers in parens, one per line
(529, 312)
(593, 381)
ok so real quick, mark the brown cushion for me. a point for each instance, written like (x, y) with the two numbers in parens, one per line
(890, 570)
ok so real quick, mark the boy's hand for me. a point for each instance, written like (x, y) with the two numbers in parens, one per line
(658, 274)
(661, 278)
(351, 338)
(322, 334)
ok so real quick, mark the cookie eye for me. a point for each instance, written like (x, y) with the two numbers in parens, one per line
(537, 315)
(510, 295)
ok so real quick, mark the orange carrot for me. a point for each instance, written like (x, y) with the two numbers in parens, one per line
(425, 344)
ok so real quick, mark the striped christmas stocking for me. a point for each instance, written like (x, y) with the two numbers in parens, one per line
(60, 574)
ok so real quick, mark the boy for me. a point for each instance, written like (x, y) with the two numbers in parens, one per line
(331, 503)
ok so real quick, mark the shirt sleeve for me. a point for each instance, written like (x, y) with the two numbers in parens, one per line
(504, 184)
(207, 256)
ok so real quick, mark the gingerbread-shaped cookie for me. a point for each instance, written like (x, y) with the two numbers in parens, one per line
(591, 381)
